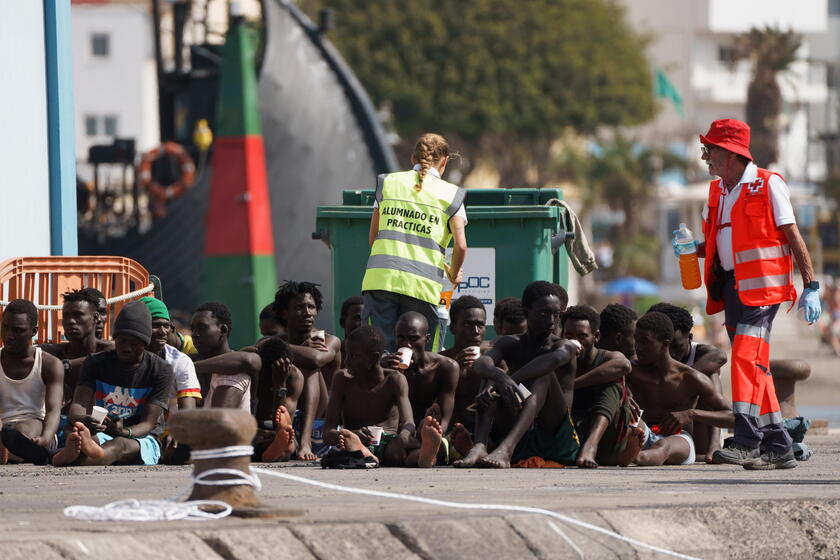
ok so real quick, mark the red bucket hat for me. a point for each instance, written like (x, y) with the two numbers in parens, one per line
(729, 134)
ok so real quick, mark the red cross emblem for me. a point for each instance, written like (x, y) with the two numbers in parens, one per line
(756, 186)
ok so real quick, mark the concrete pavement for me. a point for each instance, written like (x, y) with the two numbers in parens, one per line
(706, 511)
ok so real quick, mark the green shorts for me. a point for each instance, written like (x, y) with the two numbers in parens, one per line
(378, 450)
(561, 446)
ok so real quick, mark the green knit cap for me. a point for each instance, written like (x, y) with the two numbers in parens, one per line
(156, 307)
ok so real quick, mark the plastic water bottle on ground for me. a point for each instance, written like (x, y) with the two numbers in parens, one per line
(689, 265)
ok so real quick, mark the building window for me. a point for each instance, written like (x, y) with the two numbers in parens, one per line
(110, 125)
(727, 55)
(100, 44)
(90, 126)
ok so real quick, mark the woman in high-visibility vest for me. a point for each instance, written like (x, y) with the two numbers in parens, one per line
(415, 216)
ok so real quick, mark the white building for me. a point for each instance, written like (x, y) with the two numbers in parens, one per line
(692, 41)
(114, 73)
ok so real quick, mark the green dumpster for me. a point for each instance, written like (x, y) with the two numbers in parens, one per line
(513, 237)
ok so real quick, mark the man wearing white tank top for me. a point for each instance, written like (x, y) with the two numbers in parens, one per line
(31, 388)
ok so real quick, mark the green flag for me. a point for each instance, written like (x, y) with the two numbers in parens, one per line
(663, 88)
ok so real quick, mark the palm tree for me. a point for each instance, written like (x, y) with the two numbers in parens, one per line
(771, 52)
(620, 173)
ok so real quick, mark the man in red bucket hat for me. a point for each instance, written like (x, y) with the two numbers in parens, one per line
(751, 241)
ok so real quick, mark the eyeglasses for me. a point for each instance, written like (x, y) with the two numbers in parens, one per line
(706, 151)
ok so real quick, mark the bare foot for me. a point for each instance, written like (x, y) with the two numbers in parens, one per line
(90, 446)
(710, 454)
(634, 446)
(461, 439)
(71, 450)
(305, 453)
(476, 454)
(586, 457)
(349, 441)
(283, 445)
(430, 438)
(499, 459)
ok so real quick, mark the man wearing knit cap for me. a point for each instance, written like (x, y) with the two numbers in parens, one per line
(751, 241)
(185, 386)
(132, 384)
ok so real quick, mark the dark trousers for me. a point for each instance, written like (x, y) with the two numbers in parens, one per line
(758, 418)
(381, 309)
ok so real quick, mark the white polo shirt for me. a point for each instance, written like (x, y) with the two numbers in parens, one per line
(779, 199)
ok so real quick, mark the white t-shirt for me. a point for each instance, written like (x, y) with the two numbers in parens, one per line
(185, 382)
(241, 381)
(462, 211)
(779, 199)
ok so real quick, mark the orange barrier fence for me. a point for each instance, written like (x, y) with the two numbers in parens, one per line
(43, 280)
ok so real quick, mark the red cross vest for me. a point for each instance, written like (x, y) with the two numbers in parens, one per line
(763, 264)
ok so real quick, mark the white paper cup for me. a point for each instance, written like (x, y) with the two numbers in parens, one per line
(473, 351)
(405, 357)
(319, 335)
(376, 432)
(99, 413)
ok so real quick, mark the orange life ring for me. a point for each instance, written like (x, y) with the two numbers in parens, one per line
(185, 180)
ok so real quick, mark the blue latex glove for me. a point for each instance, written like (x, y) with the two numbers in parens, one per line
(810, 300)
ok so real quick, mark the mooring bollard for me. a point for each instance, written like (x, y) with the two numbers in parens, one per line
(209, 432)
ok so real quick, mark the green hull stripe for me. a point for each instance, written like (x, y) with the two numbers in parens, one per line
(246, 284)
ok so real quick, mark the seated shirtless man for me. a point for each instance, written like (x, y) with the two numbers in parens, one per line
(350, 318)
(618, 327)
(297, 305)
(705, 358)
(468, 326)
(133, 385)
(508, 317)
(600, 408)
(366, 395)
(545, 364)
(280, 388)
(31, 388)
(669, 393)
(432, 380)
(79, 319)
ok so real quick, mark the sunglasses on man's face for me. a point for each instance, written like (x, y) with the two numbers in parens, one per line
(706, 151)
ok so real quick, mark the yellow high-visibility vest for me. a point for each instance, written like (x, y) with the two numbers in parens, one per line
(407, 256)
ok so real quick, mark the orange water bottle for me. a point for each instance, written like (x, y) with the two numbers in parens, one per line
(689, 266)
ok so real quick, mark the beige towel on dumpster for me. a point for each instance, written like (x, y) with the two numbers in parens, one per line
(582, 257)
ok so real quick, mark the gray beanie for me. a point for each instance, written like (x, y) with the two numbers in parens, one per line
(134, 319)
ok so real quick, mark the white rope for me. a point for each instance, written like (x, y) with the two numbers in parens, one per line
(108, 301)
(134, 510)
(150, 510)
(222, 452)
(460, 505)
(239, 478)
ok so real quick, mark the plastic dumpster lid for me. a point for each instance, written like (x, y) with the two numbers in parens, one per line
(475, 197)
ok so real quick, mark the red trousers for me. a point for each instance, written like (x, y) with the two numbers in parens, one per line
(758, 418)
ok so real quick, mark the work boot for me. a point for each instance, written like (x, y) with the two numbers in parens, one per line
(735, 454)
(770, 460)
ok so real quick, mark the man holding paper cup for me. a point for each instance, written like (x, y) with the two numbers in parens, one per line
(133, 385)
